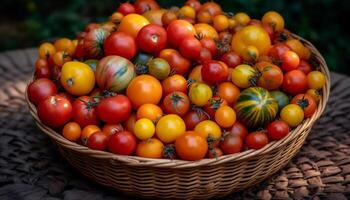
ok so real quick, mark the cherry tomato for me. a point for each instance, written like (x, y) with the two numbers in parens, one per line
(306, 102)
(54, 111)
(141, 6)
(120, 44)
(215, 152)
(242, 18)
(177, 62)
(152, 38)
(277, 130)
(295, 82)
(170, 127)
(271, 76)
(208, 128)
(274, 19)
(65, 45)
(298, 47)
(191, 146)
(195, 4)
(46, 50)
(204, 17)
(290, 61)
(200, 94)
(174, 83)
(129, 124)
(42, 69)
(213, 104)
(87, 132)
(40, 89)
(151, 148)
(209, 44)
(192, 118)
(122, 143)
(144, 129)
(204, 56)
(98, 141)
(114, 110)
(316, 94)
(84, 111)
(111, 129)
(292, 114)
(206, 31)
(126, 8)
(71, 131)
(225, 116)
(238, 129)
(211, 7)
(316, 80)
(304, 66)
(231, 59)
(178, 30)
(220, 22)
(187, 12)
(214, 72)
(131, 24)
(277, 51)
(149, 111)
(176, 103)
(60, 57)
(159, 68)
(242, 75)
(168, 17)
(195, 74)
(190, 47)
(231, 144)
(256, 140)
(229, 92)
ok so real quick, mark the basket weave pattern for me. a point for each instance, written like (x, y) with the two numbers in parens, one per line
(178, 179)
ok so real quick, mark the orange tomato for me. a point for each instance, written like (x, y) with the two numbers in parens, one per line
(149, 111)
(144, 89)
(87, 132)
(211, 7)
(174, 83)
(220, 22)
(196, 74)
(116, 17)
(66, 45)
(242, 18)
(274, 19)
(61, 57)
(205, 30)
(46, 50)
(129, 124)
(191, 146)
(225, 116)
(168, 17)
(177, 62)
(151, 148)
(71, 131)
(298, 47)
(132, 24)
(187, 12)
(229, 92)
(204, 17)
(154, 16)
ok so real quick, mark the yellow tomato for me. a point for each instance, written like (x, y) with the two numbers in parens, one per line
(251, 36)
(196, 74)
(220, 22)
(274, 19)
(132, 24)
(170, 127)
(292, 114)
(316, 80)
(77, 78)
(154, 16)
(242, 75)
(298, 48)
(208, 128)
(242, 18)
(205, 30)
(316, 94)
(116, 17)
(46, 50)
(200, 94)
(144, 129)
(225, 116)
(187, 12)
(151, 148)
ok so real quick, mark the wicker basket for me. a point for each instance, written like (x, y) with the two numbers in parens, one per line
(178, 179)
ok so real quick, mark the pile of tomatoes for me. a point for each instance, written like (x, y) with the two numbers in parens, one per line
(180, 83)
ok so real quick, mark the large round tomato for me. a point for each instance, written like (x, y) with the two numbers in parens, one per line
(200, 94)
(155, 16)
(256, 140)
(206, 31)
(306, 102)
(142, 6)
(40, 89)
(191, 146)
(178, 30)
(270, 75)
(231, 144)
(114, 73)
(193, 117)
(149, 111)
(159, 68)
(214, 72)
(174, 83)
(169, 128)
(242, 75)
(295, 82)
(176, 103)
(77, 78)
(292, 114)
(190, 47)
(232, 59)
(84, 111)
(114, 110)
(131, 24)
(151, 148)
(277, 130)
(177, 62)
(123, 143)
(208, 129)
(144, 89)
(229, 92)
(120, 44)
(152, 38)
(93, 42)
(54, 111)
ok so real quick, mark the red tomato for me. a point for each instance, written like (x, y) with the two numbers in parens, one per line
(190, 47)
(231, 144)
(174, 83)
(40, 89)
(195, 4)
(307, 103)
(178, 30)
(277, 130)
(142, 6)
(152, 38)
(191, 146)
(295, 82)
(67, 96)
(209, 44)
(114, 110)
(256, 140)
(204, 55)
(271, 76)
(177, 62)
(214, 72)
(304, 66)
(238, 129)
(98, 141)
(120, 44)
(277, 51)
(126, 8)
(214, 152)
(122, 143)
(231, 59)
(176, 103)
(111, 129)
(54, 111)
(84, 111)
(290, 61)
(42, 69)
(192, 118)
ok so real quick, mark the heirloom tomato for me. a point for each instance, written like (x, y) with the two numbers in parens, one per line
(170, 127)
(274, 19)
(193, 117)
(295, 82)
(242, 75)
(191, 146)
(142, 6)
(114, 109)
(211, 7)
(208, 128)
(177, 30)
(87, 132)
(277, 130)
(177, 62)
(122, 143)
(277, 51)
(220, 22)
(110, 129)
(144, 129)
(149, 111)
(151, 148)
(238, 129)
(71, 131)
(231, 144)
(40, 89)
(126, 8)
(270, 75)
(281, 98)
(131, 24)
(256, 140)
(152, 38)
(174, 83)
(232, 59)
(98, 141)
(200, 94)
(228, 91)
(159, 68)
(206, 31)
(292, 114)
(225, 116)
(214, 72)
(316, 80)
(155, 16)
(46, 50)
(306, 102)
(190, 47)
(120, 44)
(176, 103)
(84, 111)
(93, 42)
(196, 74)
(54, 111)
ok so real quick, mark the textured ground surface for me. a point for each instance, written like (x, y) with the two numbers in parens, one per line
(30, 168)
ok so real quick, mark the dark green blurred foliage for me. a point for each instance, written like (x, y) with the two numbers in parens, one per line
(25, 23)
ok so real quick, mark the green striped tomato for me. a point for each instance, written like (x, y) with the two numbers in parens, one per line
(114, 73)
(255, 107)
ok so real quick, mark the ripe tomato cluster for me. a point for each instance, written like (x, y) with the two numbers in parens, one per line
(184, 83)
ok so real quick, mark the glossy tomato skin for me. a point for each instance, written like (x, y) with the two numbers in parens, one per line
(152, 38)
(214, 72)
(307, 103)
(54, 111)
(126, 8)
(174, 83)
(192, 118)
(169, 128)
(191, 146)
(231, 144)
(98, 141)
(295, 82)
(190, 47)
(177, 62)
(277, 130)
(84, 111)
(111, 129)
(228, 91)
(151, 148)
(290, 61)
(176, 103)
(120, 44)
(195, 4)
(231, 59)
(277, 51)
(40, 89)
(209, 44)
(42, 69)
(131, 24)
(271, 76)
(213, 104)
(142, 6)
(114, 109)
(122, 143)
(204, 56)
(178, 30)
(256, 140)
(239, 129)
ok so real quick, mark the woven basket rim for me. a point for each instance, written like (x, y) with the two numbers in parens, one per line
(167, 163)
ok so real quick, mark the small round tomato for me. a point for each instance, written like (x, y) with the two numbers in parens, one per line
(60, 57)
(170, 127)
(277, 130)
(178, 30)
(295, 82)
(155, 16)
(54, 111)
(87, 132)
(225, 116)
(177, 62)
(256, 140)
(120, 44)
(84, 111)
(211, 7)
(176, 103)
(229, 92)
(231, 144)
(151, 148)
(204, 17)
(242, 75)
(196, 75)
(271, 76)
(190, 47)
(238, 129)
(144, 129)
(307, 103)
(213, 104)
(298, 47)
(316, 80)
(316, 94)
(193, 117)
(159, 68)
(281, 98)
(191, 146)
(200, 94)
(144, 89)
(242, 18)
(46, 50)
(220, 22)
(122, 143)
(42, 69)
(98, 141)
(292, 114)
(231, 59)
(274, 19)
(290, 61)
(77, 78)
(195, 4)
(174, 83)
(149, 111)
(208, 128)
(129, 124)
(206, 31)
(131, 24)
(141, 6)
(187, 12)
(304, 66)
(111, 129)
(114, 110)
(152, 38)
(277, 51)
(168, 17)
(126, 8)
(215, 152)
(65, 45)
(71, 131)
(214, 72)
(116, 17)
(209, 44)
(40, 89)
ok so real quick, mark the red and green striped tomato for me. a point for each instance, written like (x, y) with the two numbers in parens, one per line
(114, 73)
(255, 107)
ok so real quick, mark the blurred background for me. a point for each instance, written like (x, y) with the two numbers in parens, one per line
(27, 23)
